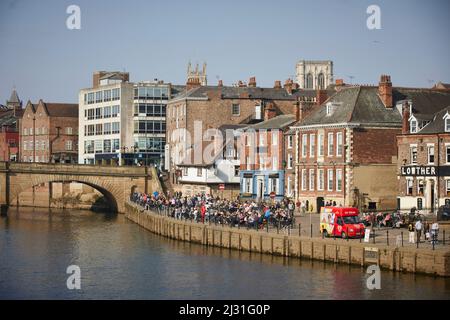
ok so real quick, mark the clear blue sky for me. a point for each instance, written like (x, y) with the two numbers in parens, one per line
(238, 39)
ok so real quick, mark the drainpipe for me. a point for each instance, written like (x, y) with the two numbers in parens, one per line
(51, 143)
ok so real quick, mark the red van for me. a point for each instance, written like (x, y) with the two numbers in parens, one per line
(341, 222)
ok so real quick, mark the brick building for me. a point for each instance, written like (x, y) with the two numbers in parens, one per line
(199, 108)
(424, 152)
(9, 133)
(49, 133)
(263, 157)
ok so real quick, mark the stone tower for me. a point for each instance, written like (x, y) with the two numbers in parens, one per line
(314, 74)
(197, 76)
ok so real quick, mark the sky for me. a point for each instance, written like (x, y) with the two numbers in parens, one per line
(43, 59)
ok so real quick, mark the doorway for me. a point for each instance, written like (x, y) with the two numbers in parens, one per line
(320, 203)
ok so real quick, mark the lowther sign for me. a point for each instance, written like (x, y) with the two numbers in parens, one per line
(419, 171)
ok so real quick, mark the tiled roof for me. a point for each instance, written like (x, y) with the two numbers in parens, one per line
(437, 125)
(278, 122)
(62, 109)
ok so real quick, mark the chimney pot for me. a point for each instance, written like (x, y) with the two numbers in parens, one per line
(252, 82)
(277, 84)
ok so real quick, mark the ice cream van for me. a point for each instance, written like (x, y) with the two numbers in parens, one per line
(341, 222)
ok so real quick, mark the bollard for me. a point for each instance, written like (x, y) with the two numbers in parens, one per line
(278, 228)
(360, 238)
(417, 240)
(256, 226)
(323, 234)
(402, 237)
(387, 237)
(311, 230)
(373, 235)
(289, 230)
(267, 226)
(433, 240)
(443, 237)
(299, 229)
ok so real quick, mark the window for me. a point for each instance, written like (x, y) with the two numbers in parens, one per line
(420, 187)
(275, 137)
(321, 81)
(236, 171)
(185, 171)
(304, 145)
(430, 150)
(115, 111)
(274, 163)
(248, 164)
(312, 176)
(339, 144)
(115, 127)
(107, 145)
(447, 153)
(290, 141)
(312, 145)
(303, 179)
(413, 154)
(69, 145)
(69, 130)
(309, 81)
(89, 146)
(98, 113)
(107, 95)
(98, 129)
(273, 185)
(413, 126)
(262, 164)
(107, 128)
(98, 146)
(25, 131)
(98, 96)
(38, 131)
(247, 185)
(115, 145)
(262, 137)
(330, 144)
(90, 99)
(107, 112)
(199, 172)
(409, 187)
(115, 94)
(320, 179)
(338, 179)
(235, 109)
(447, 125)
(289, 189)
(447, 187)
(90, 130)
(320, 141)
(289, 161)
(330, 179)
(31, 131)
(91, 114)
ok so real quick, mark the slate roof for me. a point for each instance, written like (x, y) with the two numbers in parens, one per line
(62, 109)
(14, 97)
(278, 122)
(437, 124)
(253, 93)
(362, 105)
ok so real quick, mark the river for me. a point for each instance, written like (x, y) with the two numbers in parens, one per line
(120, 260)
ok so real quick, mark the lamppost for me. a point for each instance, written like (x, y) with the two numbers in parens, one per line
(123, 150)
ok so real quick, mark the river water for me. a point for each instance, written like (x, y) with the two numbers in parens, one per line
(120, 260)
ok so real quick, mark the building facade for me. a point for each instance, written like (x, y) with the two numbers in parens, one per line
(314, 74)
(9, 124)
(424, 159)
(347, 148)
(49, 133)
(123, 123)
(263, 160)
(200, 108)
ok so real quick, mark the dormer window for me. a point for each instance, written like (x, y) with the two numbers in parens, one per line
(330, 107)
(447, 125)
(413, 125)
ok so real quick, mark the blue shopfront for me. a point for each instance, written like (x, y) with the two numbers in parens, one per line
(260, 185)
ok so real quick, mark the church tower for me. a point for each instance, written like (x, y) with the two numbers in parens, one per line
(197, 76)
(314, 74)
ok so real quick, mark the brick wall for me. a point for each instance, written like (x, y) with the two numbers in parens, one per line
(374, 145)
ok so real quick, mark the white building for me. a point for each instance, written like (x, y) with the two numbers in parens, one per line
(122, 123)
(314, 74)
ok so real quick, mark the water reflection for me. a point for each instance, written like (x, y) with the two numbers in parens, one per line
(120, 260)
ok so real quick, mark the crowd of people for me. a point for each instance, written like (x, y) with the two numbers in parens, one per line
(207, 209)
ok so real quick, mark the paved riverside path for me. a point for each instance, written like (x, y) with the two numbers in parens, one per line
(381, 234)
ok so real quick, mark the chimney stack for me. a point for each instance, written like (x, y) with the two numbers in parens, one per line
(299, 110)
(321, 96)
(220, 84)
(288, 85)
(252, 82)
(241, 84)
(339, 82)
(405, 118)
(269, 111)
(385, 91)
(277, 84)
(192, 83)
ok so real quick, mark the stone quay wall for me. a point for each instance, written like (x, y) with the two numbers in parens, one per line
(414, 260)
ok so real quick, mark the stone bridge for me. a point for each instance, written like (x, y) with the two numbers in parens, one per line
(115, 183)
